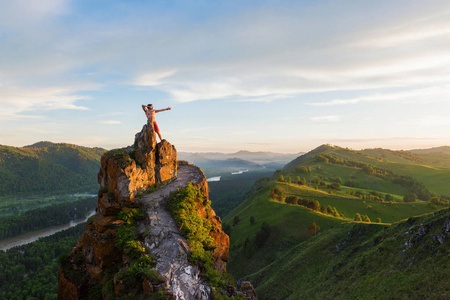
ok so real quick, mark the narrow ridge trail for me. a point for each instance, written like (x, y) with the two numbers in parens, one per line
(164, 240)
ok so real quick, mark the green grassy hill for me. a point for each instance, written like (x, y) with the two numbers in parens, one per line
(46, 167)
(361, 261)
(272, 242)
(288, 225)
(396, 172)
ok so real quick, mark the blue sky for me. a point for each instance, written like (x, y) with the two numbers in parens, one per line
(283, 76)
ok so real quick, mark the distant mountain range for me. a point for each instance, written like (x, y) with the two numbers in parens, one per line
(47, 167)
(255, 157)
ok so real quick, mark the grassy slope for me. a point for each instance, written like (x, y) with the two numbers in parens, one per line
(291, 264)
(437, 180)
(346, 173)
(373, 262)
(429, 168)
(289, 226)
(388, 212)
(432, 169)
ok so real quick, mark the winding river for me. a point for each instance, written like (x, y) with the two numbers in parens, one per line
(32, 236)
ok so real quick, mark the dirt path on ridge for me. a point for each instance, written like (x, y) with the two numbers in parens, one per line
(166, 243)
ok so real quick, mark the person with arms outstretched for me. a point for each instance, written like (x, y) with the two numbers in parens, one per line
(151, 119)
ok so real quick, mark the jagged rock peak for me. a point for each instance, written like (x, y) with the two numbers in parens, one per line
(128, 171)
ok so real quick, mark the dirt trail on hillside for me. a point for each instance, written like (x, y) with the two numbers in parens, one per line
(165, 242)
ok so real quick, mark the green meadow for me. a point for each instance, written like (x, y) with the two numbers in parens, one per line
(389, 212)
(284, 259)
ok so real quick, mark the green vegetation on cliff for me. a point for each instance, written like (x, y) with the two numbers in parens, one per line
(183, 206)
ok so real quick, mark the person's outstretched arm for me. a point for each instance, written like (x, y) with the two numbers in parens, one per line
(160, 110)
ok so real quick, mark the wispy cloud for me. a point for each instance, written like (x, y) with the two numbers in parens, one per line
(153, 78)
(422, 95)
(110, 122)
(326, 119)
(427, 121)
(39, 131)
(17, 100)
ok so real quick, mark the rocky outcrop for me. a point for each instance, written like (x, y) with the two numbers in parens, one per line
(126, 172)
(142, 175)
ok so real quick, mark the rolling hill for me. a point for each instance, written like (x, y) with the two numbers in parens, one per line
(47, 167)
(272, 235)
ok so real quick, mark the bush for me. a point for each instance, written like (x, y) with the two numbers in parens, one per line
(291, 200)
(365, 218)
(409, 197)
(277, 194)
(335, 186)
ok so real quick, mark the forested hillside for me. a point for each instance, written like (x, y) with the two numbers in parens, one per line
(31, 271)
(46, 167)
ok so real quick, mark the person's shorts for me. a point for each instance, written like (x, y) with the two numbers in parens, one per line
(155, 127)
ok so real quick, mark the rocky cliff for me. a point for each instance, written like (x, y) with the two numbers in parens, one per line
(132, 248)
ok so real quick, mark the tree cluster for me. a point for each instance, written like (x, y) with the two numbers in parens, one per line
(439, 201)
(363, 218)
(305, 202)
(303, 169)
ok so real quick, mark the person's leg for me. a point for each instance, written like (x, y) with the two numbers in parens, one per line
(156, 129)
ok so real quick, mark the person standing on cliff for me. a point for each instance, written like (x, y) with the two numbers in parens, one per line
(151, 119)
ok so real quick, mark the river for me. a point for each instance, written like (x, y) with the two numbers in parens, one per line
(216, 178)
(32, 236)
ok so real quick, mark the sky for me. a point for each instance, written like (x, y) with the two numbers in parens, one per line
(280, 76)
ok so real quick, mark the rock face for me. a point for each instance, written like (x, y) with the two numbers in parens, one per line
(126, 172)
(94, 267)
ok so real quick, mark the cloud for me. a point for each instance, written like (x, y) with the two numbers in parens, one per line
(326, 118)
(30, 11)
(110, 122)
(427, 121)
(434, 26)
(38, 131)
(153, 78)
(272, 54)
(260, 53)
(422, 95)
(16, 100)
(9, 115)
